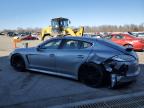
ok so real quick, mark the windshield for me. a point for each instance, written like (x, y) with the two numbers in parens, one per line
(63, 23)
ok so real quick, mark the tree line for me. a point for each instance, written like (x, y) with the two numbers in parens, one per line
(92, 29)
(115, 28)
(21, 30)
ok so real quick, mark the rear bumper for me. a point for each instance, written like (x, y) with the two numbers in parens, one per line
(128, 77)
(117, 79)
(139, 47)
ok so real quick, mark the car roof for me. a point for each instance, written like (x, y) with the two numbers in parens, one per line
(87, 39)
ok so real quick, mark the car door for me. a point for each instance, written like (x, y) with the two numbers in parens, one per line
(71, 55)
(44, 57)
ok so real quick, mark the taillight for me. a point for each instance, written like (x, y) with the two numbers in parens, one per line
(142, 41)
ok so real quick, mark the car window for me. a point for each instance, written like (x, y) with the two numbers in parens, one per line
(119, 37)
(53, 44)
(141, 34)
(85, 45)
(108, 37)
(70, 44)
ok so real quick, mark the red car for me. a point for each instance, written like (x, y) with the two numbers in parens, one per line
(29, 37)
(127, 41)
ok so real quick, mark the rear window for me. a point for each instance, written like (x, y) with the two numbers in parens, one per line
(85, 45)
(71, 44)
(119, 37)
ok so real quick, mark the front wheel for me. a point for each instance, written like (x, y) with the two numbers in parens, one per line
(18, 63)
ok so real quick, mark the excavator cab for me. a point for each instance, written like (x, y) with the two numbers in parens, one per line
(60, 27)
(59, 24)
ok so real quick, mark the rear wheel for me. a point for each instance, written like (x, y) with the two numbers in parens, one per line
(18, 63)
(92, 75)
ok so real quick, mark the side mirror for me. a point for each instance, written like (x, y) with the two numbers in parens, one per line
(38, 48)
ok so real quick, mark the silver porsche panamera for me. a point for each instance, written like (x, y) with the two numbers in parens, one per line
(92, 61)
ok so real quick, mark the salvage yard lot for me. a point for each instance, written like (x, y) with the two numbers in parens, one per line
(42, 90)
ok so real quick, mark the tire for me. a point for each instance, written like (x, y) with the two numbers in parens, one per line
(18, 63)
(92, 75)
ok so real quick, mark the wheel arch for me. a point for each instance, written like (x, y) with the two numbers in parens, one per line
(127, 44)
(18, 55)
(105, 76)
(82, 66)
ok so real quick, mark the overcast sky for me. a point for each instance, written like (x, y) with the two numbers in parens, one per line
(37, 13)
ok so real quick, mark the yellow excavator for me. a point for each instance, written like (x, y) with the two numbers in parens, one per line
(60, 27)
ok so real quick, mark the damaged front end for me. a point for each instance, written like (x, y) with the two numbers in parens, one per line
(121, 67)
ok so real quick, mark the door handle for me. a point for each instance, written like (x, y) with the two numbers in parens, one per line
(51, 55)
(80, 56)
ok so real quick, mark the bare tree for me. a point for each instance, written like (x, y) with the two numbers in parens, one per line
(92, 29)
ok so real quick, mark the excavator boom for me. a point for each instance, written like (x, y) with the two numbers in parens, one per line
(78, 32)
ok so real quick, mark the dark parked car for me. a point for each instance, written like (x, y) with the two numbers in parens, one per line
(1, 33)
(92, 61)
(127, 41)
(12, 34)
